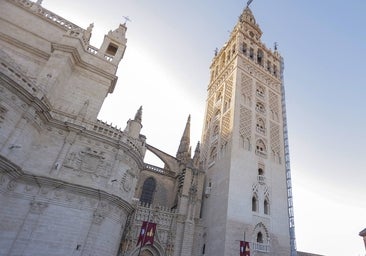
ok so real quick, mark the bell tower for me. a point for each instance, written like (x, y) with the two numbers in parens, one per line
(244, 148)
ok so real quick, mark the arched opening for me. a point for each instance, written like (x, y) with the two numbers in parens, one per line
(254, 203)
(266, 206)
(259, 237)
(148, 190)
(261, 125)
(260, 57)
(260, 171)
(261, 147)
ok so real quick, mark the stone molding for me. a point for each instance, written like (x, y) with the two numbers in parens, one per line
(42, 111)
(16, 183)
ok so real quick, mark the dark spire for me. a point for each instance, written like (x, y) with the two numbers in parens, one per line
(184, 147)
(138, 116)
(196, 156)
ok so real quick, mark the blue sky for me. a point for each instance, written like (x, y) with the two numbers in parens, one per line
(166, 69)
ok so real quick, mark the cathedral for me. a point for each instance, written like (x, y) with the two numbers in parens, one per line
(70, 184)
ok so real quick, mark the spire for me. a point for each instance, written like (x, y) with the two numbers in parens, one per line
(196, 156)
(248, 22)
(134, 126)
(138, 116)
(184, 147)
(114, 44)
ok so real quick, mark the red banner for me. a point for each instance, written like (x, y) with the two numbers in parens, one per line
(142, 233)
(147, 233)
(149, 238)
(244, 248)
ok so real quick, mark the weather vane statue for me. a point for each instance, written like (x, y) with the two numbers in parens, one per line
(249, 2)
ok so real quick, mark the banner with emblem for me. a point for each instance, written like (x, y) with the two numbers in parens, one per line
(147, 233)
(244, 248)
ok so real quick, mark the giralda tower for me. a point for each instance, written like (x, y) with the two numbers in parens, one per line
(245, 149)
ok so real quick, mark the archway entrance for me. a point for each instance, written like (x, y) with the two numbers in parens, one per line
(146, 253)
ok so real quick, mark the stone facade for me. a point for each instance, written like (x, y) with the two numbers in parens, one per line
(243, 147)
(57, 160)
(71, 184)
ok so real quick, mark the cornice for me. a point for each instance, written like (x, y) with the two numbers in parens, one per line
(85, 65)
(17, 175)
(44, 111)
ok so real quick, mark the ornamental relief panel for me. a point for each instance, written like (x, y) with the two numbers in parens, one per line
(88, 163)
(261, 76)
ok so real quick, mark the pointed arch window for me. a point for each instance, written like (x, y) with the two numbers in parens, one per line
(260, 91)
(251, 53)
(261, 126)
(266, 206)
(254, 203)
(260, 107)
(245, 48)
(148, 190)
(261, 148)
(260, 237)
(260, 57)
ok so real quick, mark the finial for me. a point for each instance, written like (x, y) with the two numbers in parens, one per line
(127, 19)
(275, 46)
(249, 2)
(138, 116)
(216, 51)
(88, 32)
(39, 2)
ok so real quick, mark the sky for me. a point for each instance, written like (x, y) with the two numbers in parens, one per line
(166, 70)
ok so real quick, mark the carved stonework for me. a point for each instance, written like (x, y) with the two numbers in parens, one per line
(127, 180)
(2, 179)
(89, 162)
(101, 212)
(12, 185)
(3, 111)
(38, 207)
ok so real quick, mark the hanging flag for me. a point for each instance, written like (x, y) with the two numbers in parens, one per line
(151, 229)
(147, 233)
(142, 233)
(244, 248)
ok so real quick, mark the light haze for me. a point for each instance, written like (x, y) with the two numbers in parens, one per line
(166, 70)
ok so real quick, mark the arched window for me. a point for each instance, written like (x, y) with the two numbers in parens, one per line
(260, 91)
(260, 57)
(254, 203)
(251, 53)
(266, 206)
(244, 48)
(260, 171)
(260, 107)
(148, 190)
(259, 237)
(261, 147)
(261, 126)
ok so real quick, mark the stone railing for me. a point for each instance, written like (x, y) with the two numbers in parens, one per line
(46, 14)
(95, 51)
(159, 170)
(71, 29)
(260, 247)
(162, 215)
(107, 129)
